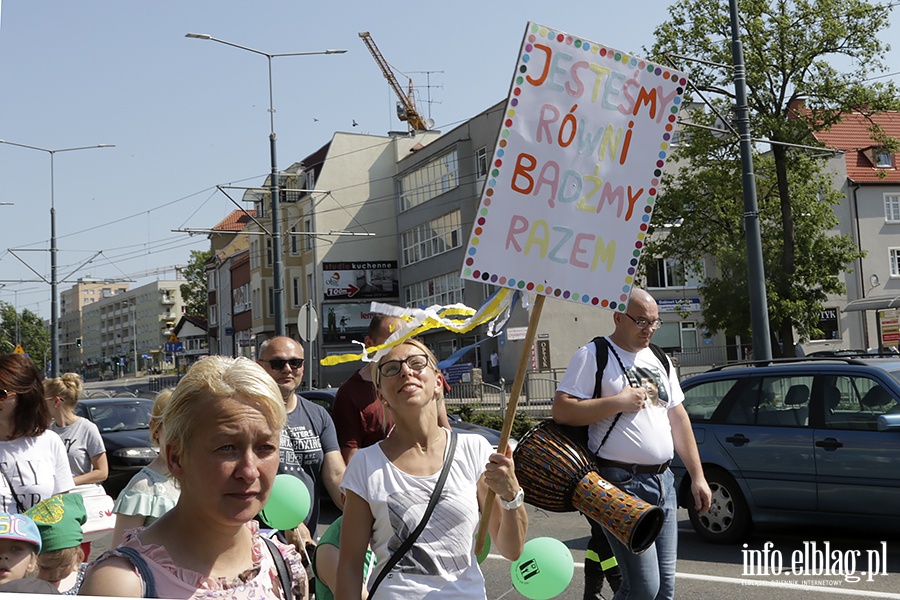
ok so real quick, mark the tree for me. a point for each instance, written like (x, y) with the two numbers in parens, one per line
(193, 292)
(33, 335)
(788, 46)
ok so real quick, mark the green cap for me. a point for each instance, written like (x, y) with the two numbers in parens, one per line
(59, 519)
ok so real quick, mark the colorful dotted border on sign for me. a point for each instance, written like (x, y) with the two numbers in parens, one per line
(537, 32)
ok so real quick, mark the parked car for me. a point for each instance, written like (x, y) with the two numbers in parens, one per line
(813, 440)
(325, 398)
(124, 425)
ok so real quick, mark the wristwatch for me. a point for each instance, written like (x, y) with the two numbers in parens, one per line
(515, 502)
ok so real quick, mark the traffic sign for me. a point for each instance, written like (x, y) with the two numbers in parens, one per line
(308, 323)
(173, 338)
(19, 349)
(174, 346)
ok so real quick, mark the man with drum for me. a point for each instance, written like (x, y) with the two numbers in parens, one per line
(634, 440)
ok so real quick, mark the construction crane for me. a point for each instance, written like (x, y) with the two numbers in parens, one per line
(406, 109)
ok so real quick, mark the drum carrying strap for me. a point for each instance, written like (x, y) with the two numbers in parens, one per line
(601, 349)
(408, 542)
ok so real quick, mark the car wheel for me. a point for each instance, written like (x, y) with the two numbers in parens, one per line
(728, 519)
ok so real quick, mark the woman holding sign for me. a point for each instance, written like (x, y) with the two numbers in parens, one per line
(391, 485)
(222, 429)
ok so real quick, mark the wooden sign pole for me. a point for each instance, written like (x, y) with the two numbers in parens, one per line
(511, 406)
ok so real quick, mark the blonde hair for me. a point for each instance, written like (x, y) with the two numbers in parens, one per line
(159, 406)
(432, 361)
(56, 565)
(216, 377)
(67, 386)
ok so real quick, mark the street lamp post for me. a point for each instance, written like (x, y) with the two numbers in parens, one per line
(54, 284)
(277, 276)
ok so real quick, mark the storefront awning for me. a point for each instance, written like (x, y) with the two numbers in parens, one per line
(873, 303)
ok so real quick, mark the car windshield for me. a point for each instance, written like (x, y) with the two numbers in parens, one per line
(121, 416)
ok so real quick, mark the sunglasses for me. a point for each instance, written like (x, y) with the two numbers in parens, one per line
(4, 394)
(278, 363)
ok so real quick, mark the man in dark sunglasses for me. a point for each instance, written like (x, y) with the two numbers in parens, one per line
(309, 448)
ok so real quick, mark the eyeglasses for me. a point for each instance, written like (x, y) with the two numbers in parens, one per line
(278, 363)
(416, 362)
(644, 323)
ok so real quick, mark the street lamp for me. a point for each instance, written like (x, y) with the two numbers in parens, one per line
(54, 297)
(277, 277)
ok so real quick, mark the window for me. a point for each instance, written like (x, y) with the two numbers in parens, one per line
(256, 313)
(768, 401)
(294, 246)
(677, 336)
(481, 162)
(689, 339)
(894, 258)
(855, 402)
(254, 255)
(667, 273)
(829, 325)
(883, 159)
(892, 208)
(307, 239)
(443, 289)
(430, 239)
(431, 179)
(295, 288)
(268, 252)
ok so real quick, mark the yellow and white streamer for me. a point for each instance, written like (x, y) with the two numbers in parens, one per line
(457, 318)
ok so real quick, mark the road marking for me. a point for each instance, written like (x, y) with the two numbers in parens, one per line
(763, 583)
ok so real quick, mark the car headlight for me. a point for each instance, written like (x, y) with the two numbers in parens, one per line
(148, 453)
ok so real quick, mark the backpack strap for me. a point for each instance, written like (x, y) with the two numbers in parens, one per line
(662, 357)
(148, 583)
(284, 574)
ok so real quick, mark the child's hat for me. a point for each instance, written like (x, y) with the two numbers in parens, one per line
(19, 527)
(59, 519)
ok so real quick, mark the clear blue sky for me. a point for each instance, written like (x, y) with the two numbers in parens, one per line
(186, 115)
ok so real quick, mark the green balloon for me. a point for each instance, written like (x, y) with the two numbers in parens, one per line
(288, 503)
(484, 551)
(544, 570)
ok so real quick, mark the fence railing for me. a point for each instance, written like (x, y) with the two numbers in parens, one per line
(156, 384)
(536, 398)
(538, 389)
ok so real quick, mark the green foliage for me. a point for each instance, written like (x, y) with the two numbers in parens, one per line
(193, 291)
(470, 413)
(789, 47)
(33, 336)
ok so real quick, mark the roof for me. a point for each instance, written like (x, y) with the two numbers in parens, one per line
(873, 303)
(236, 221)
(853, 136)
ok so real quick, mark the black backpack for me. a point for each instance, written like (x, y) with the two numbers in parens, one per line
(579, 434)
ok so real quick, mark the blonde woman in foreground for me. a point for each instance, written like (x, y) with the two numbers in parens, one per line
(222, 430)
(388, 486)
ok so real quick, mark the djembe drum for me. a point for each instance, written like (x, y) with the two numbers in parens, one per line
(559, 475)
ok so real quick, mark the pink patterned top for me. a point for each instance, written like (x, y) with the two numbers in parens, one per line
(259, 582)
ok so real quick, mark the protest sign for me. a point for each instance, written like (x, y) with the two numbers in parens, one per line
(576, 170)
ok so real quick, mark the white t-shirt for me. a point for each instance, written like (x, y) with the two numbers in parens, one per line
(441, 563)
(37, 467)
(82, 442)
(643, 437)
